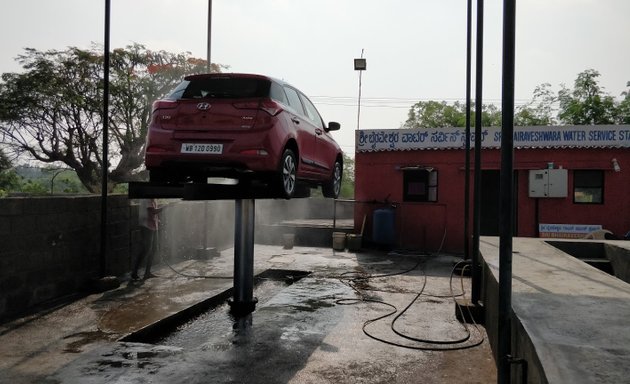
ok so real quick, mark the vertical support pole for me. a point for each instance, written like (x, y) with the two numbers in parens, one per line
(205, 226)
(243, 299)
(475, 269)
(209, 47)
(506, 209)
(334, 214)
(105, 160)
(467, 160)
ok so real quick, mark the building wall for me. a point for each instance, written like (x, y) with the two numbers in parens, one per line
(379, 183)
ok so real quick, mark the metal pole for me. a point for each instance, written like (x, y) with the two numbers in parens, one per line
(506, 215)
(475, 272)
(467, 162)
(208, 68)
(205, 225)
(359, 103)
(244, 301)
(103, 259)
(209, 65)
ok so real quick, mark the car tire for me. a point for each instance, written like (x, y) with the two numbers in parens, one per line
(332, 188)
(287, 174)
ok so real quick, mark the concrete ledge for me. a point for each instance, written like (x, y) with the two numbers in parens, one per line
(569, 320)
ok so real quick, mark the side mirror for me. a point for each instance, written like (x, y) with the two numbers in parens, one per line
(333, 126)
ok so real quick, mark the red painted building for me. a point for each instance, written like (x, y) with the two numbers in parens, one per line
(568, 181)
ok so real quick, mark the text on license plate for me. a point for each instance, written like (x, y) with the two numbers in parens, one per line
(202, 148)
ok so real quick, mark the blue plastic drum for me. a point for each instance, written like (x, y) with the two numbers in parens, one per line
(383, 230)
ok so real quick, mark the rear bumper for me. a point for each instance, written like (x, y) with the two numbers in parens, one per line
(164, 152)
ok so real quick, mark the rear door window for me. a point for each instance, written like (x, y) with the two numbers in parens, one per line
(311, 112)
(294, 100)
(226, 88)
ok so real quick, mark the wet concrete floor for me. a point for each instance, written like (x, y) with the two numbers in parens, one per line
(316, 330)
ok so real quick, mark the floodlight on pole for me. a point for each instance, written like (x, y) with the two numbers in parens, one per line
(360, 65)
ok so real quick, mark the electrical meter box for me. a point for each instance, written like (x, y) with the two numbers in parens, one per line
(548, 183)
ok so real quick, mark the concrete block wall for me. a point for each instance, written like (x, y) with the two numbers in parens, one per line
(50, 247)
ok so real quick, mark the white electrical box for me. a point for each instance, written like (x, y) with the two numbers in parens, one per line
(548, 183)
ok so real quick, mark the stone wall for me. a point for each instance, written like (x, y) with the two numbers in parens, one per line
(50, 247)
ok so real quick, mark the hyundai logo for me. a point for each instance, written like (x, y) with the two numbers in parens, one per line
(203, 106)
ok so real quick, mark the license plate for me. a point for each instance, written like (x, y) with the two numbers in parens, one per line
(202, 148)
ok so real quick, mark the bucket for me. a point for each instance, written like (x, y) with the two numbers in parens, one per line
(339, 241)
(288, 240)
(354, 242)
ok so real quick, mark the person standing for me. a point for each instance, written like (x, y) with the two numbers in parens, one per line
(148, 218)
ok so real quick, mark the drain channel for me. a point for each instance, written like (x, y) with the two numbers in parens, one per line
(187, 327)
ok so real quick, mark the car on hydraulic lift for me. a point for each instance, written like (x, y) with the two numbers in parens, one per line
(242, 126)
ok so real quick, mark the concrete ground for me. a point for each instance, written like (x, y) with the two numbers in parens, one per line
(312, 331)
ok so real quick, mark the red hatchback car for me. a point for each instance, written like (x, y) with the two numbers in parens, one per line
(246, 127)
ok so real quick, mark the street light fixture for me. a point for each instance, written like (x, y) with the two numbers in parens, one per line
(360, 65)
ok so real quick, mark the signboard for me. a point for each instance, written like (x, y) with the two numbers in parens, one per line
(566, 231)
(583, 136)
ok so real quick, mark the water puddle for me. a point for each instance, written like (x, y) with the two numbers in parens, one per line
(192, 327)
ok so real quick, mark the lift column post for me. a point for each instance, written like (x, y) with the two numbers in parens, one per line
(244, 302)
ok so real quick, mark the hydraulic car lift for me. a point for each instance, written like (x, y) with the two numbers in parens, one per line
(243, 301)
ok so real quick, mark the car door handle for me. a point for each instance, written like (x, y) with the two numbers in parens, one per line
(295, 120)
(319, 131)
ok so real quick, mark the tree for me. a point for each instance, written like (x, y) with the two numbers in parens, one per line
(347, 182)
(624, 106)
(9, 179)
(52, 112)
(540, 110)
(435, 114)
(587, 103)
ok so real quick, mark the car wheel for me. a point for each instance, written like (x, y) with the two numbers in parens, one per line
(287, 176)
(332, 188)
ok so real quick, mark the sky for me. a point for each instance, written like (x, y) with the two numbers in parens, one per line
(415, 49)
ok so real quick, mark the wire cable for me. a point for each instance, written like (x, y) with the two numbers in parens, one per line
(430, 344)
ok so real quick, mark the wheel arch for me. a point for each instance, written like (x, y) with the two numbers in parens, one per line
(292, 145)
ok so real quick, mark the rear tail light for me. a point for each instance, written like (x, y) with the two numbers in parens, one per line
(271, 107)
(164, 104)
(267, 105)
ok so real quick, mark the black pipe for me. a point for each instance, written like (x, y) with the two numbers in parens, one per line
(467, 160)
(475, 269)
(103, 258)
(506, 208)
(537, 217)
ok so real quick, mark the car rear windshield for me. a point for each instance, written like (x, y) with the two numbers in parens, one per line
(225, 87)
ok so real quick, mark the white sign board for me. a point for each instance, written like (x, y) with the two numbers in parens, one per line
(566, 231)
(591, 136)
